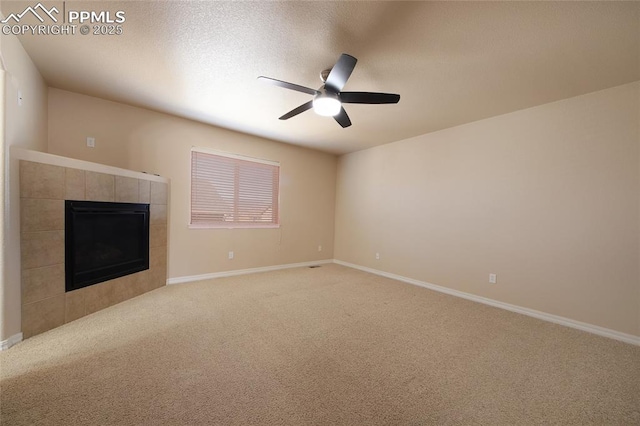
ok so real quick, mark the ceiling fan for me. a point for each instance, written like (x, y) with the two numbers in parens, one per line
(328, 99)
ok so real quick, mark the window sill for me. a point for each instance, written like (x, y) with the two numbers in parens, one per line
(234, 226)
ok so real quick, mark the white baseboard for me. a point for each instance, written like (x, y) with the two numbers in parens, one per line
(601, 331)
(191, 278)
(6, 344)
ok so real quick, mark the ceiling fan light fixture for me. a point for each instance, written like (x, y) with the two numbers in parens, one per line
(328, 99)
(326, 105)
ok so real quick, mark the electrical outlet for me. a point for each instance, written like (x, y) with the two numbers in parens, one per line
(378, 256)
(319, 248)
(91, 142)
(493, 278)
(230, 255)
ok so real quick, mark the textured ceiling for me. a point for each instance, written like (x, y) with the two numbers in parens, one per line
(451, 62)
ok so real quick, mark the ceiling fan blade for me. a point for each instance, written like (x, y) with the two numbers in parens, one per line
(340, 72)
(290, 86)
(368, 98)
(342, 118)
(296, 111)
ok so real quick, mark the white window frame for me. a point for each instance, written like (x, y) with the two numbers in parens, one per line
(231, 225)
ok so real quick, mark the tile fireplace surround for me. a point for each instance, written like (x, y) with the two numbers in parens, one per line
(43, 189)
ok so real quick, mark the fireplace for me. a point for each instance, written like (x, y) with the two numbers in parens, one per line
(103, 241)
(49, 270)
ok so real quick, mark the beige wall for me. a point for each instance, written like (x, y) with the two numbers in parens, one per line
(24, 126)
(547, 198)
(139, 139)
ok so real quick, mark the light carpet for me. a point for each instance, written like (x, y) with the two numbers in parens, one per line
(324, 346)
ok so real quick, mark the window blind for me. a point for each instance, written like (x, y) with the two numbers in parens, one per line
(228, 191)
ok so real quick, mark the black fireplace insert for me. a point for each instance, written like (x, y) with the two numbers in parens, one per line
(104, 240)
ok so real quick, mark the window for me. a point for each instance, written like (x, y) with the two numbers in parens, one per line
(230, 191)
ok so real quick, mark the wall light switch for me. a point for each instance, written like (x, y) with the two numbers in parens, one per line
(493, 278)
(91, 142)
(230, 255)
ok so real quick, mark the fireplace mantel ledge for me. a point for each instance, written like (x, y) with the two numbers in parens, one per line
(56, 160)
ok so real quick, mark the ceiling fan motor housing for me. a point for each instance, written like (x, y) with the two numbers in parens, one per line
(324, 74)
